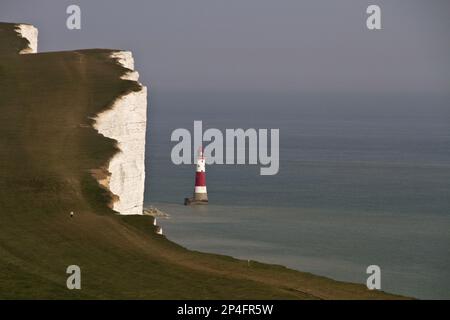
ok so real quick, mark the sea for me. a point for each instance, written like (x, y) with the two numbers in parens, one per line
(363, 180)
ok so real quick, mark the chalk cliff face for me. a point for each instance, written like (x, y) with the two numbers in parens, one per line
(30, 33)
(126, 123)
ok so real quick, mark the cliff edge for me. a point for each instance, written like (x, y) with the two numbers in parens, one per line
(30, 33)
(18, 38)
(125, 122)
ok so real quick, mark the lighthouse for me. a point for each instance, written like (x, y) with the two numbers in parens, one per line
(200, 194)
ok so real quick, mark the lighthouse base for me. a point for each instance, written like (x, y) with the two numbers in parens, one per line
(193, 201)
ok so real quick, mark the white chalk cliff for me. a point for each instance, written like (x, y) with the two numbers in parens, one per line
(126, 123)
(30, 33)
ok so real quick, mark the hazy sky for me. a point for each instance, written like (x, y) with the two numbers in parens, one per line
(259, 45)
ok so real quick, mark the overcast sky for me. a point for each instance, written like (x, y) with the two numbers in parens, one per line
(259, 45)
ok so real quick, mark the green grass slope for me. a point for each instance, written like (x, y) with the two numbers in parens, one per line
(48, 150)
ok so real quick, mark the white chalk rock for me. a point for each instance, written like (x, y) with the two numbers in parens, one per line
(30, 33)
(125, 58)
(126, 122)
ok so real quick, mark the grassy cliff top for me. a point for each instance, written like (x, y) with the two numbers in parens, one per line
(48, 150)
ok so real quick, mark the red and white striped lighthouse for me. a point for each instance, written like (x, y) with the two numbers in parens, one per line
(200, 194)
(200, 178)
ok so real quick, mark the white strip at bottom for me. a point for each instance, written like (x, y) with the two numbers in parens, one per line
(200, 189)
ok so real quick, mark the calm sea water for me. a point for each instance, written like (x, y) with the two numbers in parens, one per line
(363, 180)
